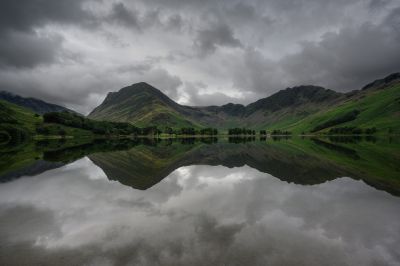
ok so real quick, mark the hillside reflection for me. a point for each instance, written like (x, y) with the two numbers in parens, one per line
(142, 163)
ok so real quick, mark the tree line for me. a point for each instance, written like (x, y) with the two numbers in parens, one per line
(241, 131)
(250, 132)
(115, 128)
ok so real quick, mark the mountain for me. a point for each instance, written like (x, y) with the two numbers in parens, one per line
(36, 105)
(298, 109)
(376, 105)
(142, 105)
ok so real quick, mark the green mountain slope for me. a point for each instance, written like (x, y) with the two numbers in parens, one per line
(18, 124)
(298, 109)
(14, 114)
(142, 105)
(33, 104)
(378, 108)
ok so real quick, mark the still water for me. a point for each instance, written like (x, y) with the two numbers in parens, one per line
(201, 202)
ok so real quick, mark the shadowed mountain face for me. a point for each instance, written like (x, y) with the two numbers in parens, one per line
(296, 109)
(36, 105)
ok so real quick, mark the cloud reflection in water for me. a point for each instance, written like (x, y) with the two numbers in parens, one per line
(198, 215)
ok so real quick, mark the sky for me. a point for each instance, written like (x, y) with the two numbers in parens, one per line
(207, 52)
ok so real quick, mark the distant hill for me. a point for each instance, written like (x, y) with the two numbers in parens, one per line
(36, 105)
(298, 109)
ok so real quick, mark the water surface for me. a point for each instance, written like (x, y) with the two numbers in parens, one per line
(201, 202)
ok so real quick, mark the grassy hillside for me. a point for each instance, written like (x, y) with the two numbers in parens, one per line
(377, 108)
(18, 124)
(14, 114)
(142, 105)
(298, 109)
(35, 105)
(303, 109)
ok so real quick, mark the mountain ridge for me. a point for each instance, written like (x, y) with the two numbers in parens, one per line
(202, 115)
(34, 104)
(144, 105)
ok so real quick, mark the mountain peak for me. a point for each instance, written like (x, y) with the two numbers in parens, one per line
(379, 83)
(131, 103)
(140, 86)
(136, 89)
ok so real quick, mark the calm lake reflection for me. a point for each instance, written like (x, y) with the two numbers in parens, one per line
(201, 202)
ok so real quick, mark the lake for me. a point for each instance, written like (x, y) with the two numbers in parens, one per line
(236, 201)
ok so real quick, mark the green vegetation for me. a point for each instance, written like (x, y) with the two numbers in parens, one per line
(142, 110)
(143, 106)
(303, 109)
(17, 124)
(280, 132)
(241, 131)
(352, 131)
(377, 108)
(117, 128)
(350, 116)
(97, 127)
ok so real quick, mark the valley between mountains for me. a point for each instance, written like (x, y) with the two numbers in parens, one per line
(142, 109)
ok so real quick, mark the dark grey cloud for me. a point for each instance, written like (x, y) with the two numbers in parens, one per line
(22, 46)
(19, 49)
(239, 50)
(87, 90)
(349, 58)
(24, 15)
(122, 14)
(208, 40)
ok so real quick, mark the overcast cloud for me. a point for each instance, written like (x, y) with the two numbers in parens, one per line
(197, 52)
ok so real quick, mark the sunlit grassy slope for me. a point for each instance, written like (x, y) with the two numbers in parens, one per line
(23, 119)
(378, 108)
(14, 114)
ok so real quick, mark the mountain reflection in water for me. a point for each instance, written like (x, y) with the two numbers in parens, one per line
(142, 163)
